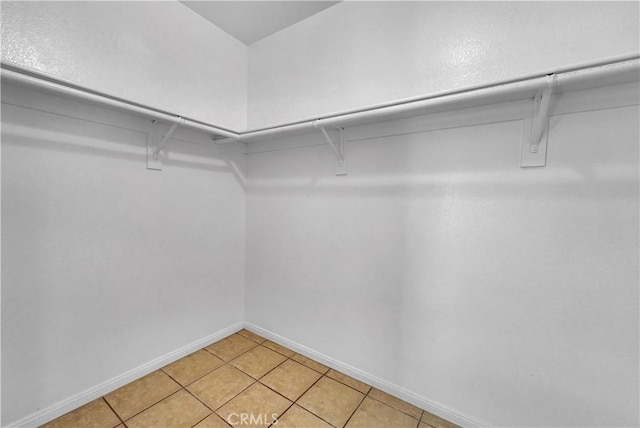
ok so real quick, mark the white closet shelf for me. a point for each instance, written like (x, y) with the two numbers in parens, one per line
(614, 70)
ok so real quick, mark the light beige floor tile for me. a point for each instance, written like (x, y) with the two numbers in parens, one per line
(331, 400)
(396, 403)
(258, 404)
(180, 410)
(230, 347)
(375, 414)
(291, 379)
(349, 381)
(220, 386)
(279, 348)
(212, 421)
(193, 367)
(258, 361)
(95, 414)
(252, 336)
(297, 417)
(141, 394)
(435, 421)
(310, 363)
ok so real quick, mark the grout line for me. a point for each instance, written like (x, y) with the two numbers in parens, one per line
(202, 419)
(280, 394)
(355, 410)
(257, 380)
(267, 386)
(199, 377)
(203, 403)
(284, 411)
(253, 383)
(147, 408)
(239, 355)
(205, 349)
(248, 374)
(114, 412)
(339, 381)
(307, 390)
(325, 374)
(246, 337)
(349, 386)
(240, 392)
(395, 408)
(278, 365)
(196, 379)
(429, 425)
(274, 350)
(307, 358)
(225, 363)
(304, 392)
(189, 392)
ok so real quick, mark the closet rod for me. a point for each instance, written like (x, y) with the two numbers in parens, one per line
(472, 96)
(42, 81)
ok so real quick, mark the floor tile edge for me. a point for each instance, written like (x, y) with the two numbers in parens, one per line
(438, 409)
(62, 407)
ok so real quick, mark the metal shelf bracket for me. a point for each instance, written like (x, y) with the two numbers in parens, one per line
(337, 147)
(535, 135)
(154, 148)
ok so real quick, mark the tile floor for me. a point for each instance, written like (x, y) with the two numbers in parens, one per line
(245, 380)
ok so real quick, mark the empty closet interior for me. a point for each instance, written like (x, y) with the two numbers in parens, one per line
(439, 199)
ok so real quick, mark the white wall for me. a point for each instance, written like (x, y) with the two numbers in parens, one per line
(512, 293)
(356, 54)
(159, 53)
(107, 265)
(351, 55)
(502, 294)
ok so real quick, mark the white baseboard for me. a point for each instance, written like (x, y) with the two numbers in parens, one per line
(438, 409)
(50, 413)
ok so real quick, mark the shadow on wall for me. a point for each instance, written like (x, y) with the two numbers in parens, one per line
(479, 162)
(441, 266)
(42, 130)
(101, 252)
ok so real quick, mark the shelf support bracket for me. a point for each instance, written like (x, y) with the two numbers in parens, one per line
(338, 149)
(535, 135)
(154, 148)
